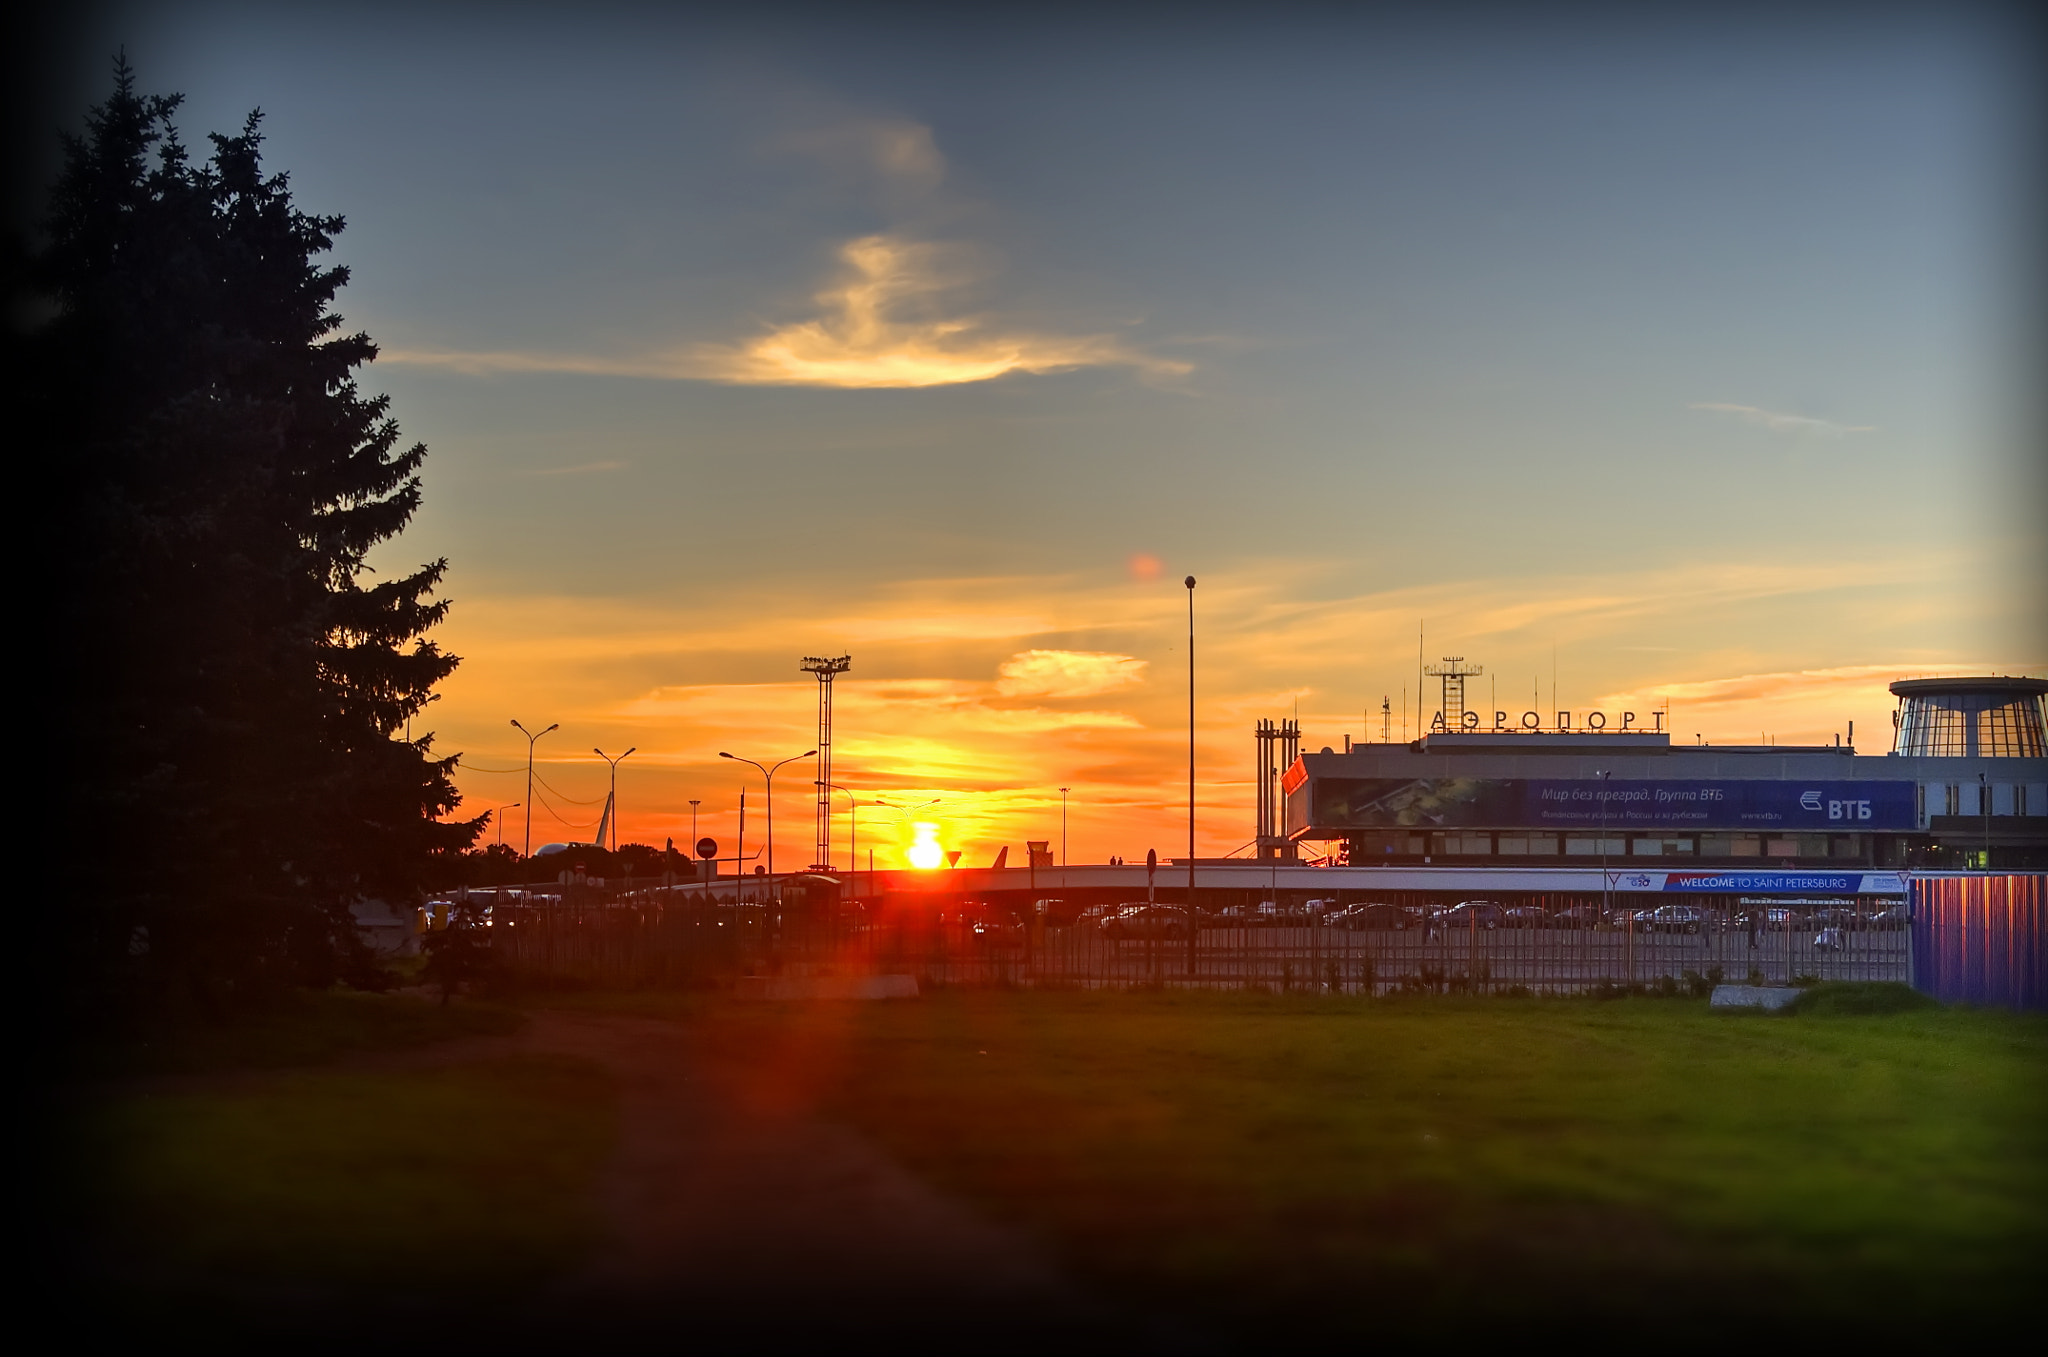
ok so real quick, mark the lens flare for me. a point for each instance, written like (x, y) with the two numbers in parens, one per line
(925, 853)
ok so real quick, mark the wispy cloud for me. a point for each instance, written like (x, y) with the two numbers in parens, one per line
(499, 362)
(900, 153)
(888, 320)
(1778, 422)
(584, 469)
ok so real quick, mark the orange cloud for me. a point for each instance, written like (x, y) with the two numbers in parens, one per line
(1068, 673)
(885, 324)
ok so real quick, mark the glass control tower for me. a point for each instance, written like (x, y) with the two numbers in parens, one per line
(1989, 718)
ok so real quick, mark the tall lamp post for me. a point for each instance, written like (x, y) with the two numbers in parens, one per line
(500, 818)
(1193, 925)
(768, 776)
(531, 740)
(694, 803)
(613, 800)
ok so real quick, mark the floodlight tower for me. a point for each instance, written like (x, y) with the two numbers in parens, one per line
(1454, 673)
(826, 670)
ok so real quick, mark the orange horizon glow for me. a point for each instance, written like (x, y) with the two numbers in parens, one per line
(961, 696)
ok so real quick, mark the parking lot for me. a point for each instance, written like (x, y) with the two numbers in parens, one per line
(1381, 948)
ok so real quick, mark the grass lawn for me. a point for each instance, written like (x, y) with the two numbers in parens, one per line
(1268, 1169)
(238, 1204)
(1278, 1165)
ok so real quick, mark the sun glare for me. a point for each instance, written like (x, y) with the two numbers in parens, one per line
(925, 853)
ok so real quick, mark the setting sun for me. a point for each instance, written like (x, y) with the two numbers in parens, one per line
(925, 853)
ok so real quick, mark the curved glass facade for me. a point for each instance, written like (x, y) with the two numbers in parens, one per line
(1964, 724)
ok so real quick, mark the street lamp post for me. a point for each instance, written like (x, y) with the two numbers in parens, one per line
(768, 776)
(1984, 809)
(531, 740)
(1063, 840)
(612, 801)
(1606, 895)
(500, 818)
(902, 812)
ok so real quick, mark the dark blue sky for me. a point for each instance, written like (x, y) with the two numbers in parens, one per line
(1693, 345)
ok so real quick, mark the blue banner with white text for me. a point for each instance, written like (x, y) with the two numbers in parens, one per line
(1557, 803)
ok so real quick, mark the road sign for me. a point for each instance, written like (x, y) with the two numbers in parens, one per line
(707, 848)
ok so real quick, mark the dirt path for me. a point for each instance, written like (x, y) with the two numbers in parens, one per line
(749, 1218)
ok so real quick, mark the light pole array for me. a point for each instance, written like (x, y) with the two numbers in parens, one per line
(768, 776)
(531, 740)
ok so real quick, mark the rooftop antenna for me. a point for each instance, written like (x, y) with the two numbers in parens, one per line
(1418, 678)
(1387, 716)
(1452, 673)
(826, 670)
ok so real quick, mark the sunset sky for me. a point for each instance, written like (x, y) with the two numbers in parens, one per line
(1684, 358)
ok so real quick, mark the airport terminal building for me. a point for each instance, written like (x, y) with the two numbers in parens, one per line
(1964, 786)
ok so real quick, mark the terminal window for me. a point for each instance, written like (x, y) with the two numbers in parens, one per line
(1592, 846)
(1731, 846)
(1659, 848)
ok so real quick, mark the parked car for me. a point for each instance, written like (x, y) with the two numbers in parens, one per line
(1147, 921)
(1575, 916)
(1671, 919)
(1373, 915)
(1892, 916)
(1829, 940)
(1472, 914)
(1278, 914)
(1522, 916)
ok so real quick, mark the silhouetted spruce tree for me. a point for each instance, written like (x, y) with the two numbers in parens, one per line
(233, 682)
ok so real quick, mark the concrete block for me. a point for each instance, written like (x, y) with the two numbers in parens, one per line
(786, 988)
(1771, 998)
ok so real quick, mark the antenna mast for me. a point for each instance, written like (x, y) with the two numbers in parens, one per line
(1453, 673)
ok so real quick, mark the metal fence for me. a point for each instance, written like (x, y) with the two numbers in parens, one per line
(1981, 938)
(656, 943)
